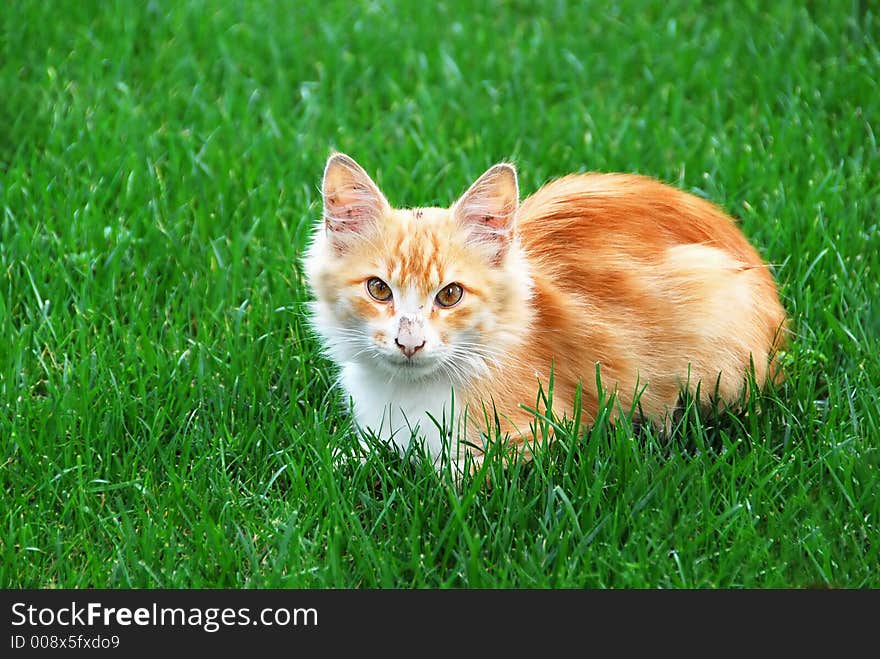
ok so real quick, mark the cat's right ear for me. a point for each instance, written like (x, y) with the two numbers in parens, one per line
(488, 210)
(353, 204)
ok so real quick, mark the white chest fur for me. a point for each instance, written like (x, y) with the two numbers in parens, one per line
(399, 411)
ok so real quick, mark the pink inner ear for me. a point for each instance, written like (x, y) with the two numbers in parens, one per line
(487, 212)
(497, 222)
(349, 193)
(489, 205)
(352, 206)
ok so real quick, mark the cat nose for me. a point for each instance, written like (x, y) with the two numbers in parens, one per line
(410, 338)
(408, 349)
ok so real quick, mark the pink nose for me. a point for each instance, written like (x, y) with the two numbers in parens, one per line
(409, 348)
(410, 337)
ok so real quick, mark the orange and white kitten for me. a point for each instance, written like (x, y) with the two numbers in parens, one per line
(429, 312)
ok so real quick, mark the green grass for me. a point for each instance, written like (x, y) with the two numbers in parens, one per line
(167, 420)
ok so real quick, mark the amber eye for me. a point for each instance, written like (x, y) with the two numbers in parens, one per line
(449, 295)
(378, 289)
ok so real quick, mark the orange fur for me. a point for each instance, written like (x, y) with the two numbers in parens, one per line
(656, 286)
(619, 281)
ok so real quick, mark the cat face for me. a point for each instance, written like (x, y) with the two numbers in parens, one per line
(417, 292)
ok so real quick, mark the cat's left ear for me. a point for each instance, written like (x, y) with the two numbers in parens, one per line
(353, 204)
(488, 210)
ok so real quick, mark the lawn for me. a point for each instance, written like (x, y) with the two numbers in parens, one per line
(167, 419)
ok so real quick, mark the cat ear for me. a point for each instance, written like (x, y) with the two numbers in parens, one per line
(488, 210)
(353, 204)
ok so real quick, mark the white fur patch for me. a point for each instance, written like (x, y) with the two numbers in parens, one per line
(399, 411)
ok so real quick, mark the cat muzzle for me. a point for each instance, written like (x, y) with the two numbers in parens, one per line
(410, 335)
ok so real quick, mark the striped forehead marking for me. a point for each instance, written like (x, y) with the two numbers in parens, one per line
(417, 260)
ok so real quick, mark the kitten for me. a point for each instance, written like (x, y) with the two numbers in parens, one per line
(431, 312)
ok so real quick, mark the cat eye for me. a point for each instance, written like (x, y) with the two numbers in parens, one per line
(449, 295)
(378, 289)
